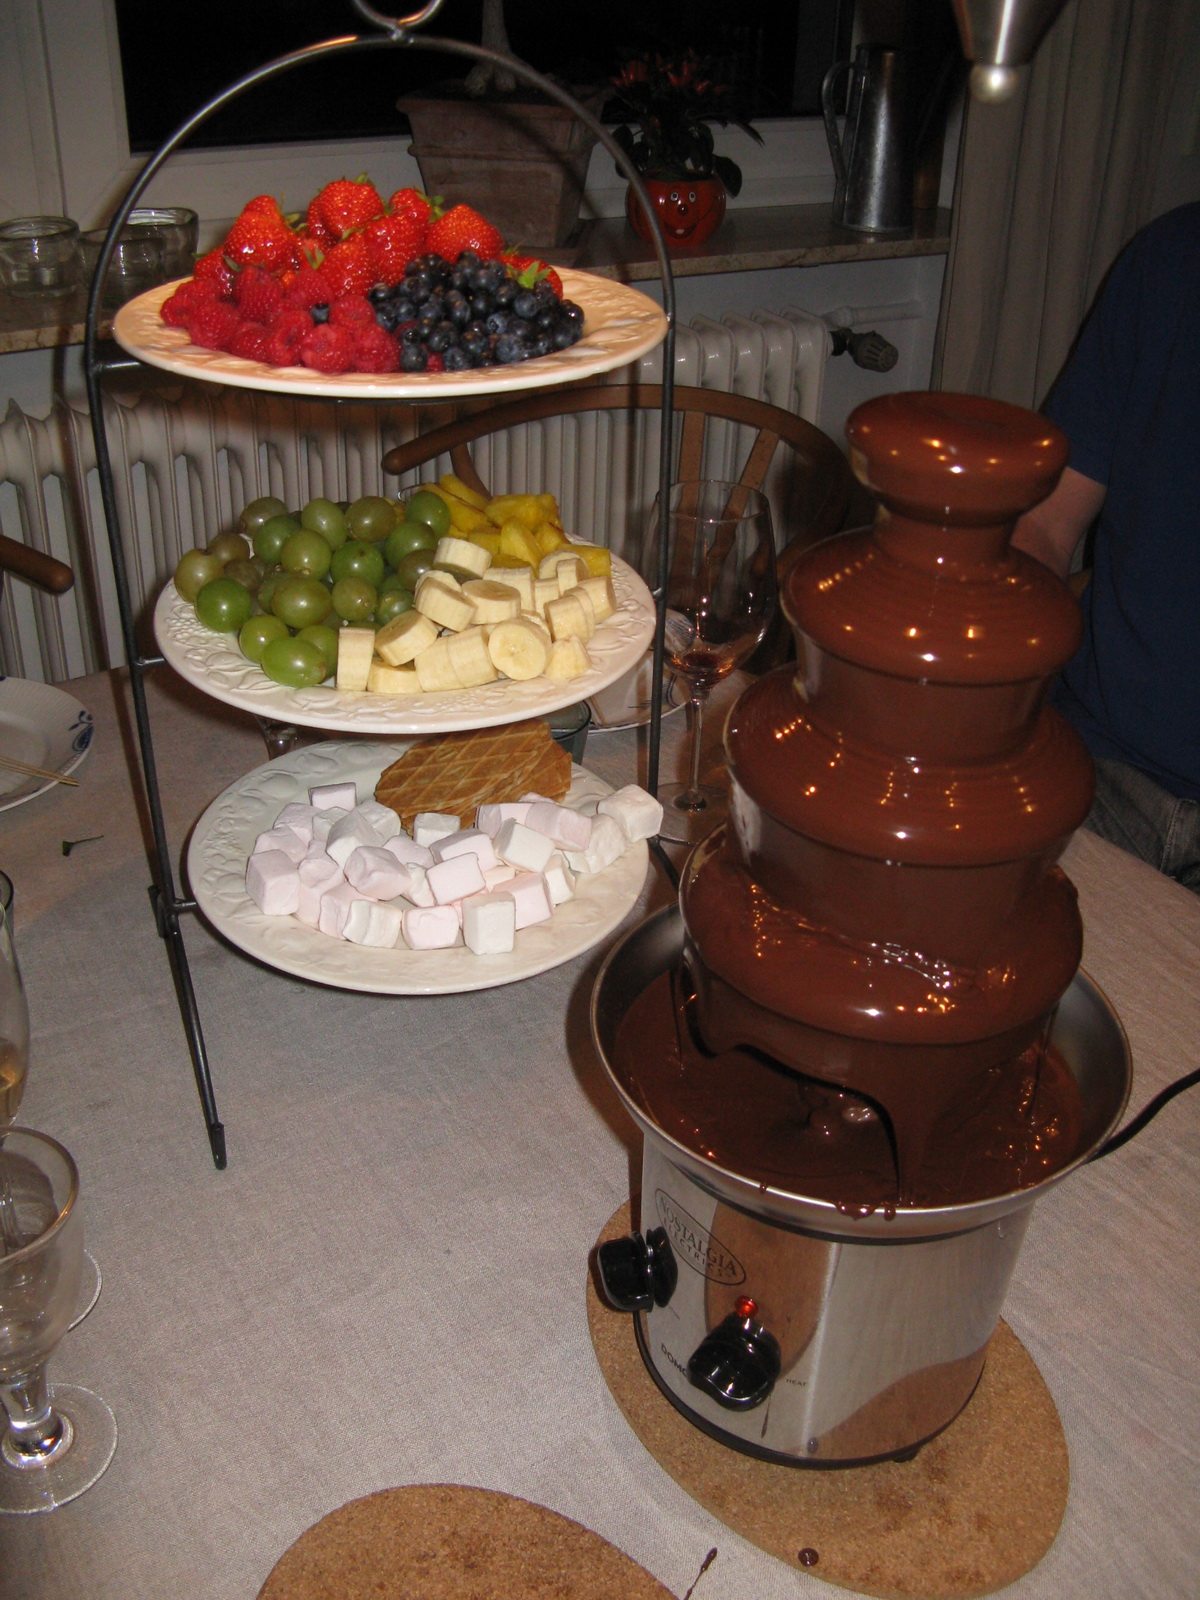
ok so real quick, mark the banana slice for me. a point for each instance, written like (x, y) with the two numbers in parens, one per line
(404, 637)
(460, 555)
(519, 648)
(435, 669)
(443, 602)
(383, 679)
(568, 659)
(603, 596)
(470, 659)
(518, 578)
(491, 601)
(544, 590)
(570, 617)
(356, 648)
(566, 570)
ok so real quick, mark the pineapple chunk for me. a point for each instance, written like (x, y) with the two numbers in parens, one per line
(518, 544)
(454, 485)
(597, 558)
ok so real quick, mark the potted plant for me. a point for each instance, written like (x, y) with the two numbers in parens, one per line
(667, 106)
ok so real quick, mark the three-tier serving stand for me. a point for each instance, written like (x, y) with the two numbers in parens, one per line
(168, 904)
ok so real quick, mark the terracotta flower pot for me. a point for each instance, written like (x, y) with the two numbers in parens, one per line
(688, 209)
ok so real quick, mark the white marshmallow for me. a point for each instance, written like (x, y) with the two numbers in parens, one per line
(342, 795)
(369, 922)
(431, 927)
(292, 845)
(606, 845)
(489, 817)
(521, 847)
(493, 877)
(324, 821)
(454, 879)
(382, 818)
(299, 818)
(567, 829)
(560, 880)
(415, 884)
(346, 836)
(273, 883)
(638, 813)
(489, 924)
(335, 908)
(530, 897)
(318, 874)
(429, 826)
(375, 872)
(407, 850)
(466, 842)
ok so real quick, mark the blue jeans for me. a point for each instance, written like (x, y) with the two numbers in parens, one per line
(1132, 811)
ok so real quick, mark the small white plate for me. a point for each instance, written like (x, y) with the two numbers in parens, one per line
(43, 726)
(627, 703)
(225, 835)
(620, 324)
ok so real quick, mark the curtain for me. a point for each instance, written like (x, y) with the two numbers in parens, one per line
(1050, 185)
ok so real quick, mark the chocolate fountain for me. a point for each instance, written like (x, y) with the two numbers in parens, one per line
(862, 1047)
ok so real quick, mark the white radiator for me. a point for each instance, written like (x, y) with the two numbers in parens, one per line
(187, 456)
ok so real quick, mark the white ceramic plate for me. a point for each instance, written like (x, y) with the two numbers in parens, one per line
(619, 325)
(213, 662)
(225, 835)
(43, 726)
(627, 703)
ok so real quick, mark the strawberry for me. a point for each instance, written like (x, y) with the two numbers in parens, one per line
(529, 270)
(212, 324)
(256, 294)
(327, 348)
(260, 237)
(349, 268)
(394, 241)
(412, 203)
(375, 350)
(462, 228)
(213, 268)
(306, 285)
(345, 205)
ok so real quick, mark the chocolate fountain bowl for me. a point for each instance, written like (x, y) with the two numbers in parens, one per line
(794, 1331)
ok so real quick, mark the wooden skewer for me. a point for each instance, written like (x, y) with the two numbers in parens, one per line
(28, 770)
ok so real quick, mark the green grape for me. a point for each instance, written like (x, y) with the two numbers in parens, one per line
(371, 517)
(295, 662)
(271, 536)
(247, 573)
(329, 520)
(406, 536)
(268, 585)
(224, 605)
(392, 604)
(410, 569)
(326, 640)
(299, 601)
(229, 547)
(260, 511)
(430, 508)
(257, 633)
(357, 559)
(195, 569)
(305, 551)
(354, 599)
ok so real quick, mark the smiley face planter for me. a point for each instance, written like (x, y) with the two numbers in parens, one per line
(688, 209)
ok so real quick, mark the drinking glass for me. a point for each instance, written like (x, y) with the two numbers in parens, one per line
(58, 1440)
(178, 228)
(40, 255)
(14, 1067)
(720, 597)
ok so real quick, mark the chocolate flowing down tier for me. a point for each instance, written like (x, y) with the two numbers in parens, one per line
(884, 912)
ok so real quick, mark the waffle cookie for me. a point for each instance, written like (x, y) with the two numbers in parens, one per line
(454, 773)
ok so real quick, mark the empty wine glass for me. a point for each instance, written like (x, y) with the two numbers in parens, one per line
(14, 1067)
(58, 1440)
(720, 596)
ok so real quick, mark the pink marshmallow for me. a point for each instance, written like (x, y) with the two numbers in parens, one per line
(493, 877)
(408, 851)
(489, 817)
(566, 828)
(292, 845)
(530, 897)
(489, 924)
(466, 842)
(430, 927)
(299, 818)
(335, 908)
(375, 872)
(342, 795)
(368, 922)
(273, 883)
(454, 879)
(522, 848)
(318, 874)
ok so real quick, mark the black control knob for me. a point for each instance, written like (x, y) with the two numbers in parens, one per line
(637, 1272)
(737, 1363)
(870, 350)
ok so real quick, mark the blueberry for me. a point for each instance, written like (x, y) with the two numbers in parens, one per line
(412, 358)
(319, 313)
(457, 359)
(525, 305)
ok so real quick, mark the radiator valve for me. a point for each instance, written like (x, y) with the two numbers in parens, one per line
(869, 350)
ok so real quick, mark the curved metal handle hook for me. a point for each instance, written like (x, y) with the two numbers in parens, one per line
(397, 25)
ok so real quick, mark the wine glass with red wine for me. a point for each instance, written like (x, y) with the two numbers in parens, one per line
(720, 596)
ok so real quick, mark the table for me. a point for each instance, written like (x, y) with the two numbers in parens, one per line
(387, 1283)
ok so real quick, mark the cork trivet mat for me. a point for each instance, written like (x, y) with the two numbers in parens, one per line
(976, 1508)
(446, 1541)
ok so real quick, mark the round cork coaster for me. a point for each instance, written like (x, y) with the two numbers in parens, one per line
(446, 1541)
(976, 1508)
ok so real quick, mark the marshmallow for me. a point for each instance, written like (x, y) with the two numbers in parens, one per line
(342, 795)
(369, 922)
(493, 877)
(568, 829)
(415, 884)
(606, 845)
(489, 817)
(521, 847)
(530, 897)
(638, 813)
(376, 873)
(454, 879)
(560, 880)
(407, 850)
(346, 836)
(429, 826)
(292, 845)
(335, 908)
(317, 874)
(273, 883)
(466, 842)
(489, 924)
(299, 818)
(382, 818)
(323, 822)
(430, 927)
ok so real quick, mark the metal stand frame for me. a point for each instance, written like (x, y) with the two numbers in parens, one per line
(397, 32)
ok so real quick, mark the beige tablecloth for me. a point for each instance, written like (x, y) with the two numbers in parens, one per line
(387, 1284)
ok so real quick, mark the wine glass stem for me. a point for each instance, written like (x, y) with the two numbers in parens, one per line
(36, 1432)
(692, 798)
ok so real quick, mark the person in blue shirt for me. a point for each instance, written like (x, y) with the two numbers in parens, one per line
(1128, 400)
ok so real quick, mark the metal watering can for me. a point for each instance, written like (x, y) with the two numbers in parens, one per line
(874, 162)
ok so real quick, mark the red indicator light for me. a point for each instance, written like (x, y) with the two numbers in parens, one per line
(745, 1307)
